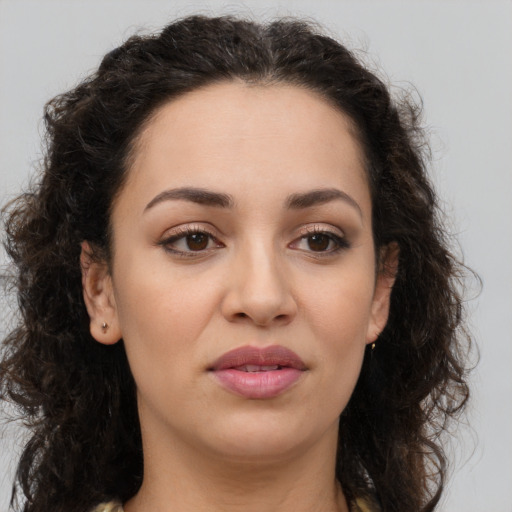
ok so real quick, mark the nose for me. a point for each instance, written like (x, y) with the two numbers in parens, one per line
(259, 289)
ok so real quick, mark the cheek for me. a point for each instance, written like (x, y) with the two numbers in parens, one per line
(161, 318)
(339, 314)
(339, 306)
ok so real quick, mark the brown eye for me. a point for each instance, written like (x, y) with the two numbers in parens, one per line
(191, 242)
(318, 242)
(197, 241)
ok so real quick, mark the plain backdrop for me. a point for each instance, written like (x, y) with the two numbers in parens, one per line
(458, 54)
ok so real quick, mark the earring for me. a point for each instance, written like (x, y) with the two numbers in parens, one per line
(377, 334)
(104, 327)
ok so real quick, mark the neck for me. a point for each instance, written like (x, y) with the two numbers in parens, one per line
(182, 478)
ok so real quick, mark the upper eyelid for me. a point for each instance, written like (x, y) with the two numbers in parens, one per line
(184, 230)
(322, 228)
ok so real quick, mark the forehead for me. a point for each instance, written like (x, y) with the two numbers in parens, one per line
(238, 109)
(279, 134)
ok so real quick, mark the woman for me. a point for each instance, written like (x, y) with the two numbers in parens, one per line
(234, 287)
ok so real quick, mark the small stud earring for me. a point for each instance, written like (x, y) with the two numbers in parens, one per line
(104, 327)
(377, 334)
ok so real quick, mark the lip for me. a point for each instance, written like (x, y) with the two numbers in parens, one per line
(230, 370)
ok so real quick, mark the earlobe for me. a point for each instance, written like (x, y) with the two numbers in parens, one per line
(99, 297)
(388, 268)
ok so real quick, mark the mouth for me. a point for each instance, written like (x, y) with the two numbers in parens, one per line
(258, 373)
(256, 359)
(253, 368)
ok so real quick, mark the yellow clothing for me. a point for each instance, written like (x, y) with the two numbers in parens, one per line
(364, 506)
(111, 506)
(115, 506)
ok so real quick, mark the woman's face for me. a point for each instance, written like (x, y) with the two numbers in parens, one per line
(243, 280)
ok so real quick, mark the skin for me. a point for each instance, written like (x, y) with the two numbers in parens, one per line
(261, 279)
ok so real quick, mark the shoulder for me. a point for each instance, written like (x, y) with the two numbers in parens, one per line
(111, 506)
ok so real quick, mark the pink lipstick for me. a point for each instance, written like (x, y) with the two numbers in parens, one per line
(258, 373)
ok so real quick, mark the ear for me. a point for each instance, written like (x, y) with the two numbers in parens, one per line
(388, 267)
(99, 297)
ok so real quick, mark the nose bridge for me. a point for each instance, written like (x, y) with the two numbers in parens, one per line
(260, 288)
(262, 275)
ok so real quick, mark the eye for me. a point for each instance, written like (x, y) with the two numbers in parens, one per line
(189, 241)
(320, 241)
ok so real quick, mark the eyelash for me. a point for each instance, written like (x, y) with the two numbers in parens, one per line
(340, 241)
(184, 232)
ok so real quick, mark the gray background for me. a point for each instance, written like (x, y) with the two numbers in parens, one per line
(459, 56)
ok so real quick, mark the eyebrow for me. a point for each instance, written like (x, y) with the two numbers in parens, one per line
(296, 201)
(194, 195)
(320, 196)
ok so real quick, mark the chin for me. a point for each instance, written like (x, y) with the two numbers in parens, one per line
(263, 437)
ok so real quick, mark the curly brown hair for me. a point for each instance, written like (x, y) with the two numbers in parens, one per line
(78, 396)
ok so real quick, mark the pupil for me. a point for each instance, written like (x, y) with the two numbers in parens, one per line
(318, 242)
(197, 241)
